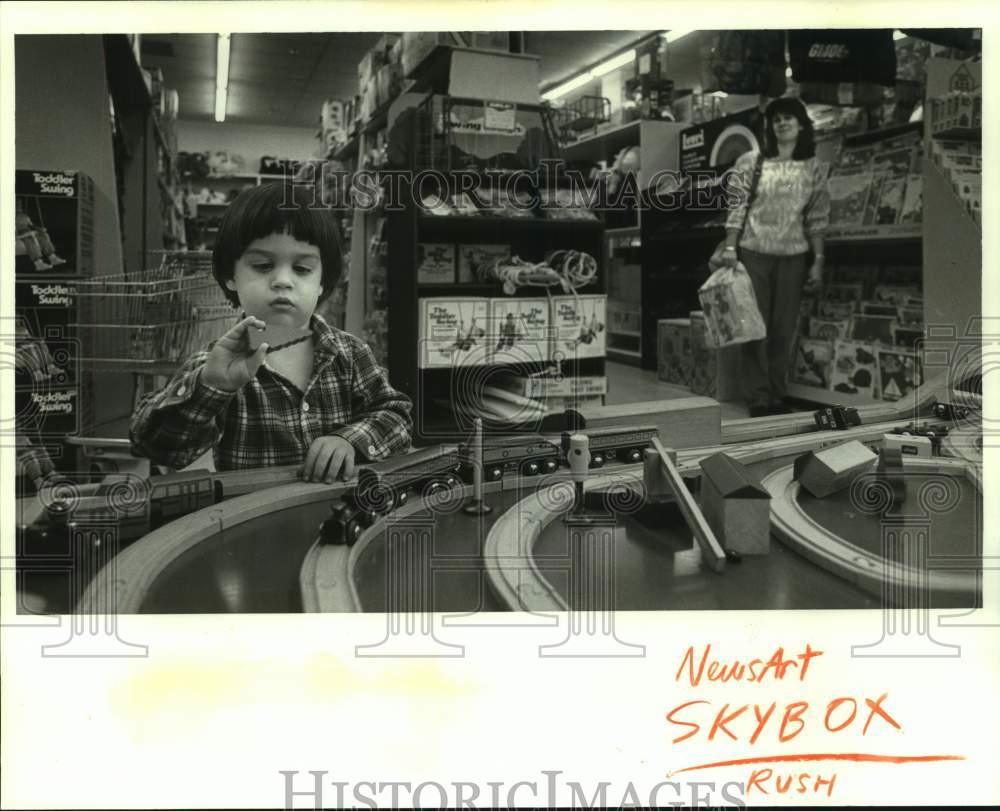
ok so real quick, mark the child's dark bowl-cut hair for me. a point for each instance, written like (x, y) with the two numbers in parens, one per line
(276, 208)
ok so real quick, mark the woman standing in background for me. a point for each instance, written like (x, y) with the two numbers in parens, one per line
(786, 222)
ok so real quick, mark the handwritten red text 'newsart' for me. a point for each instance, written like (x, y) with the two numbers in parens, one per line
(774, 723)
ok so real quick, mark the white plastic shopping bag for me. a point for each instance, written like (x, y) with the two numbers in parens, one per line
(731, 313)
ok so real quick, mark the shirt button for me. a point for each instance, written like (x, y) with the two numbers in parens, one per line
(181, 391)
(305, 406)
(371, 450)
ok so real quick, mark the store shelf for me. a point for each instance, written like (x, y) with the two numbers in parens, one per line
(631, 357)
(875, 233)
(827, 397)
(213, 205)
(608, 138)
(959, 134)
(487, 227)
(621, 233)
(873, 136)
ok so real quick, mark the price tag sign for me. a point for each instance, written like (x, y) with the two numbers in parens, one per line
(499, 117)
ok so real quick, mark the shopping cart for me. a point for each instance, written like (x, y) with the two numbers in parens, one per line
(146, 324)
(149, 322)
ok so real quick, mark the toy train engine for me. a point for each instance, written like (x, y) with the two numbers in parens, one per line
(524, 455)
(624, 445)
(384, 486)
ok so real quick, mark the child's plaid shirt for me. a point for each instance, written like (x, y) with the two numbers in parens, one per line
(269, 421)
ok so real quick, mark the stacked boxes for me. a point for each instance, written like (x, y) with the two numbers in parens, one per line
(54, 248)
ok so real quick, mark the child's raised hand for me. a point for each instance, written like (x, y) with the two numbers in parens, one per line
(231, 365)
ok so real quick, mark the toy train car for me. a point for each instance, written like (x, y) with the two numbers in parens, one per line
(522, 455)
(383, 486)
(625, 445)
(134, 505)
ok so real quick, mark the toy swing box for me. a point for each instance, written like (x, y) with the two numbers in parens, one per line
(61, 203)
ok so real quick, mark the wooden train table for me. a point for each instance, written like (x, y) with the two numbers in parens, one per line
(635, 546)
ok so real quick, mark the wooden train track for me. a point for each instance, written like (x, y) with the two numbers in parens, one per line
(326, 579)
(795, 528)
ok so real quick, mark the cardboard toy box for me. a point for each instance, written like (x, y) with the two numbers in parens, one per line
(50, 411)
(55, 223)
(704, 361)
(519, 330)
(435, 263)
(45, 312)
(548, 387)
(673, 350)
(579, 327)
(453, 332)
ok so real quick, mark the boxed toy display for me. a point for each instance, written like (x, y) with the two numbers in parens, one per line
(854, 368)
(519, 330)
(435, 264)
(578, 327)
(898, 372)
(813, 362)
(54, 213)
(453, 332)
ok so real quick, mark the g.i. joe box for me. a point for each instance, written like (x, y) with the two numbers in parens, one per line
(55, 223)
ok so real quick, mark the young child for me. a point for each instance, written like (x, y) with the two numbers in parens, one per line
(323, 403)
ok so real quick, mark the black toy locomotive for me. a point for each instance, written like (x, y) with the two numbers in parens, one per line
(384, 486)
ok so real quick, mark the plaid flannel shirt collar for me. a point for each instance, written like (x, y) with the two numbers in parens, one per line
(329, 343)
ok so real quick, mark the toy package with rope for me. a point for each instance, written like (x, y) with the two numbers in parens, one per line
(578, 327)
(54, 214)
(519, 330)
(453, 332)
(730, 306)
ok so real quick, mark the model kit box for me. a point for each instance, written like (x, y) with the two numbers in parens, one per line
(813, 363)
(829, 329)
(55, 223)
(453, 332)
(435, 264)
(673, 350)
(898, 372)
(578, 327)
(472, 259)
(518, 330)
(854, 368)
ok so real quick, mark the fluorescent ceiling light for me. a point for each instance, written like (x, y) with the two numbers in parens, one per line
(615, 62)
(221, 77)
(567, 87)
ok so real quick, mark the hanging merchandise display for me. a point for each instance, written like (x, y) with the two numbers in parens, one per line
(743, 62)
(833, 55)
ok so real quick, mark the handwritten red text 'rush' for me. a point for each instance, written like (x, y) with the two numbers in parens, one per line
(699, 718)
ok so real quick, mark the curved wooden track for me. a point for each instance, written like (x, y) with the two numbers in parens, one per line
(795, 528)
